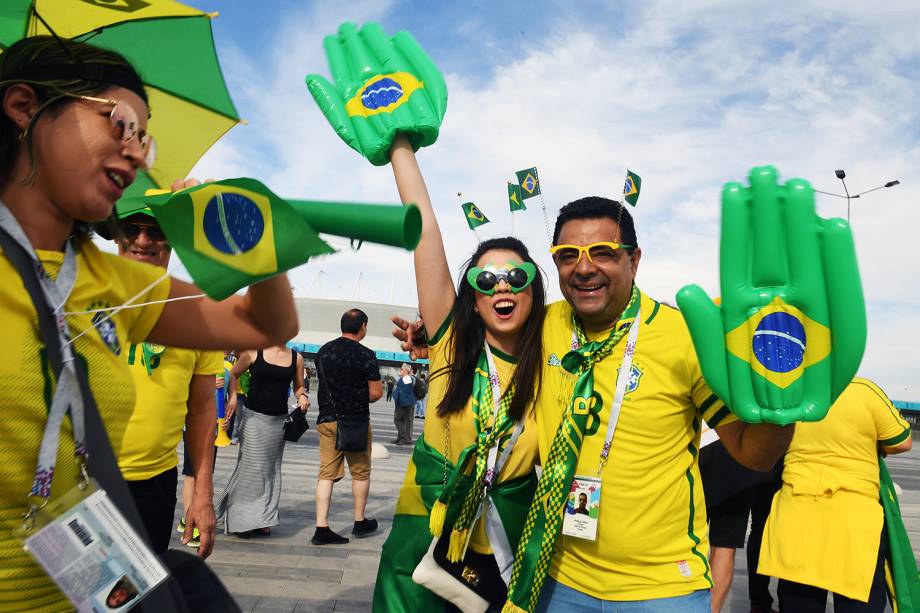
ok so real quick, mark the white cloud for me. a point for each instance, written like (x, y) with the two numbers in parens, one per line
(694, 95)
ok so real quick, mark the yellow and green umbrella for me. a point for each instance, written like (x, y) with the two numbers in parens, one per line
(171, 46)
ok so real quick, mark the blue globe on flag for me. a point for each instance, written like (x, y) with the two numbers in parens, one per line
(233, 223)
(381, 93)
(779, 342)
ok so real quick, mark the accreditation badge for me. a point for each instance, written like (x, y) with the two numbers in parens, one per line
(582, 508)
(92, 553)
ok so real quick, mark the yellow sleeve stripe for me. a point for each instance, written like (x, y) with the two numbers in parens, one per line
(719, 415)
(896, 440)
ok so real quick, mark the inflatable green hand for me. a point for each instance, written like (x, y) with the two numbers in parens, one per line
(383, 86)
(791, 329)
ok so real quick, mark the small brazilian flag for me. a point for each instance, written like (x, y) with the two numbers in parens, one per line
(631, 187)
(230, 234)
(529, 181)
(474, 216)
(515, 199)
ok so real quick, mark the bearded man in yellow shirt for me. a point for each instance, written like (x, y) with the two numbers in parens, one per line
(174, 387)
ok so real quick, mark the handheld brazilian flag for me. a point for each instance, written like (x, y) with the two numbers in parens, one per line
(233, 233)
(474, 217)
(515, 199)
(529, 181)
(631, 187)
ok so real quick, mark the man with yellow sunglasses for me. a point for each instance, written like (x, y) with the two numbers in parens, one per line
(630, 430)
(639, 439)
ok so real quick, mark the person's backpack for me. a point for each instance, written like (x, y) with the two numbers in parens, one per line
(419, 388)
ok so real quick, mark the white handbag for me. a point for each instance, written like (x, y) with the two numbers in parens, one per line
(430, 575)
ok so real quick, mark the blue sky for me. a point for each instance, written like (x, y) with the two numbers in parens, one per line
(689, 95)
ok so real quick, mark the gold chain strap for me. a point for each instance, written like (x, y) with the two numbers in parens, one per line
(446, 449)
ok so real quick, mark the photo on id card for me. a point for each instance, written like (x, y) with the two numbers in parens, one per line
(582, 508)
(94, 555)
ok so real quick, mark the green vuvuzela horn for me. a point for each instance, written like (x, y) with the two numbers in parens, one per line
(394, 225)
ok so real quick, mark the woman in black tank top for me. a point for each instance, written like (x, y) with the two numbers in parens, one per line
(249, 504)
(271, 384)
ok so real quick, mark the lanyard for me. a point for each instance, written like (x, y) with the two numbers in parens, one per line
(494, 463)
(622, 378)
(67, 398)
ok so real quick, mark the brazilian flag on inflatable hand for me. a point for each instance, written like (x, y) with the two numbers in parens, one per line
(230, 234)
(791, 329)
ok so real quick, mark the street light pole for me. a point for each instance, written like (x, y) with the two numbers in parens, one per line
(842, 175)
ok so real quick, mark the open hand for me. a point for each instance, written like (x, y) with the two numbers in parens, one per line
(412, 337)
(791, 329)
(383, 86)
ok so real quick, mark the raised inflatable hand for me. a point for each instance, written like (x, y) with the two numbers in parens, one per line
(383, 86)
(791, 329)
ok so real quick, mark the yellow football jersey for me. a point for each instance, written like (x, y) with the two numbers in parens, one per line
(452, 435)
(155, 428)
(652, 536)
(103, 280)
(831, 488)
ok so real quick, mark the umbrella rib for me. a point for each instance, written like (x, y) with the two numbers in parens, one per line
(196, 103)
(119, 23)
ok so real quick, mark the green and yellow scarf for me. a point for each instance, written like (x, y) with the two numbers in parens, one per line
(544, 519)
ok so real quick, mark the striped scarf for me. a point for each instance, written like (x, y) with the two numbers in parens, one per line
(544, 519)
(489, 432)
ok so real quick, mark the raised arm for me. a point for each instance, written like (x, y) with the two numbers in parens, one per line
(385, 92)
(436, 294)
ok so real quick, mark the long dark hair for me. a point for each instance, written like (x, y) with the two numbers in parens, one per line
(468, 333)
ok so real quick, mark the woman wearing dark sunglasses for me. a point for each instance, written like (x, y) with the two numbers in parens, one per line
(73, 135)
(485, 372)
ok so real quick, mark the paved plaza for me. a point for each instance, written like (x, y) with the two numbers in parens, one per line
(283, 572)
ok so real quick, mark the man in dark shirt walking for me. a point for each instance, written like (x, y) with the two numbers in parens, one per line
(349, 380)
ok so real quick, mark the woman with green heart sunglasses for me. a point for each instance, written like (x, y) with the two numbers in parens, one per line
(485, 354)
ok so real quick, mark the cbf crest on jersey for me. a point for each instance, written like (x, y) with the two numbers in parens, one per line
(635, 376)
(104, 325)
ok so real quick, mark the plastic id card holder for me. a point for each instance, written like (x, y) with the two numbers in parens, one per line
(91, 552)
(582, 508)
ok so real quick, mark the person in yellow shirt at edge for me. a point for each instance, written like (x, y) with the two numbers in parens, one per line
(173, 387)
(651, 545)
(825, 529)
(67, 151)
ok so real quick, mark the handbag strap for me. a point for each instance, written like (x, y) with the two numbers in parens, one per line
(102, 464)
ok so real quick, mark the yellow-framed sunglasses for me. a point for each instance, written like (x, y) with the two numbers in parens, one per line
(597, 253)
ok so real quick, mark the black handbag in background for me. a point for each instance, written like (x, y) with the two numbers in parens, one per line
(351, 436)
(295, 424)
